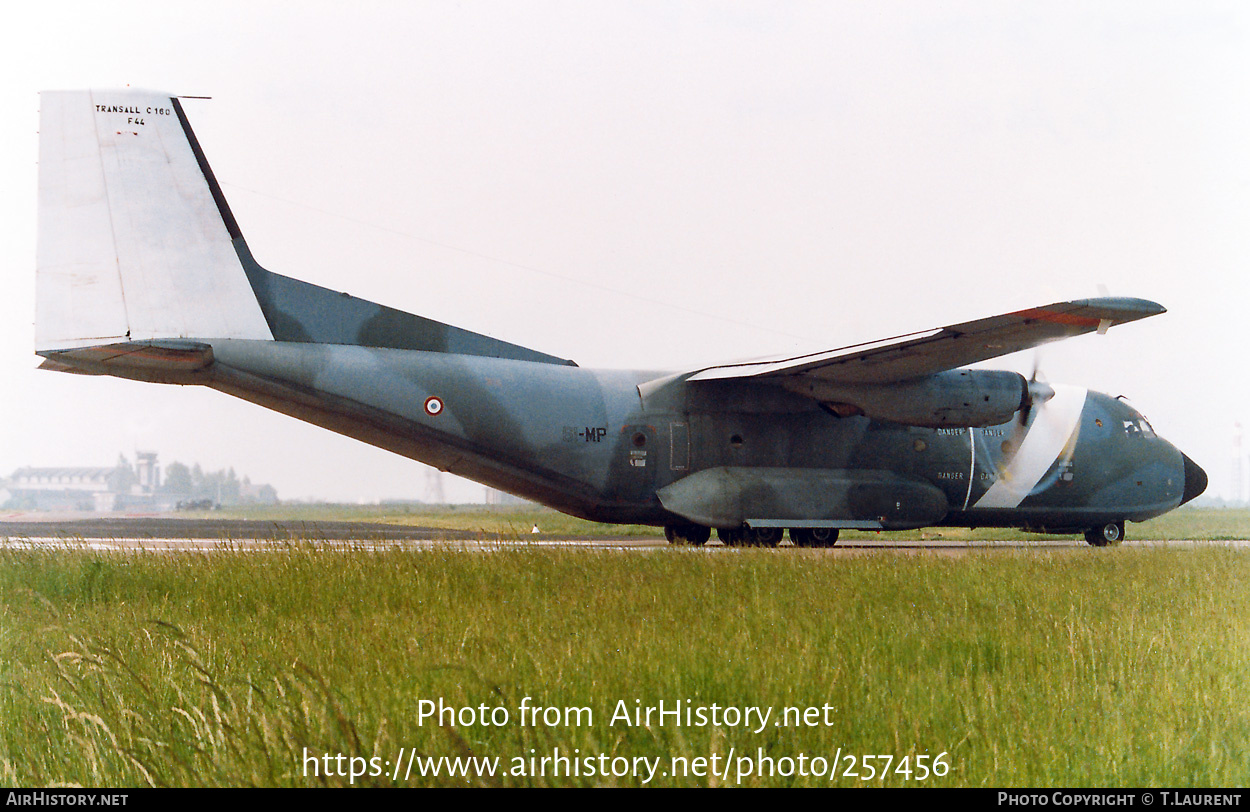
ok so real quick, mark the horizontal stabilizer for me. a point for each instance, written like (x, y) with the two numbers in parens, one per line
(164, 361)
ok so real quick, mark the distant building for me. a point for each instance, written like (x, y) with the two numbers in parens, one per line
(103, 490)
(124, 487)
(147, 471)
(61, 488)
(83, 489)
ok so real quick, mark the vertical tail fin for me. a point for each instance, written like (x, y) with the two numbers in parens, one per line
(141, 264)
(135, 244)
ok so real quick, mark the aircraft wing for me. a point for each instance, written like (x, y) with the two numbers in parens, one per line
(931, 351)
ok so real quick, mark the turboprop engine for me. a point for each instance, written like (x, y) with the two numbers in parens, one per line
(957, 397)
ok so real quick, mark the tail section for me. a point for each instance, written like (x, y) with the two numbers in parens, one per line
(133, 245)
(141, 264)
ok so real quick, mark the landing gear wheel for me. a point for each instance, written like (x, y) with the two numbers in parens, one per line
(695, 534)
(764, 536)
(1107, 535)
(731, 537)
(814, 536)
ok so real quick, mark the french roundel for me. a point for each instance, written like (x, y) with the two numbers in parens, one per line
(433, 406)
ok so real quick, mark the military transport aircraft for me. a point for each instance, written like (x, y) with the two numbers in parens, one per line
(143, 273)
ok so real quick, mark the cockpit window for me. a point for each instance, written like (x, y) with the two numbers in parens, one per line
(1138, 427)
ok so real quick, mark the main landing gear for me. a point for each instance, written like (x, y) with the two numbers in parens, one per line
(695, 534)
(1107, 535)
(751, 536)
(814, 536)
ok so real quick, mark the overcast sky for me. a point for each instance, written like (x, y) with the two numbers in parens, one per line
(660, 185)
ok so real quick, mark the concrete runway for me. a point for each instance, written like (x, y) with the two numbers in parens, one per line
(160, 534)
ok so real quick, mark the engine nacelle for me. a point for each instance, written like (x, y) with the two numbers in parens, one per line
(957, 397)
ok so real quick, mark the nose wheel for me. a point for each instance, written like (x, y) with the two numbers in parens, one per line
(1107, 535)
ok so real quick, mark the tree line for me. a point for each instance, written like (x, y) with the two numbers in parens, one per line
(221, 487)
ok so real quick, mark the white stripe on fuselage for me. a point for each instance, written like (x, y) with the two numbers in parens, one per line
(972, 465)
(1052, 429)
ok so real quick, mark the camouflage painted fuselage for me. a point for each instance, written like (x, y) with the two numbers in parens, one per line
(587, 442)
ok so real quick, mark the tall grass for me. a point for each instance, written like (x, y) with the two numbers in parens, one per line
(1063, 667)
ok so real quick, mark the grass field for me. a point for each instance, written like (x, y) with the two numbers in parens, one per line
(1021, 667)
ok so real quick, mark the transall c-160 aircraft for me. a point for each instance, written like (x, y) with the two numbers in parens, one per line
(143, 273)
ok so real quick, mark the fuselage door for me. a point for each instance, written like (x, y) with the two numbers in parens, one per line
(679, 447)
(639, 452)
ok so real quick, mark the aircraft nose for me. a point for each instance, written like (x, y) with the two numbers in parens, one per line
(1195, 479)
